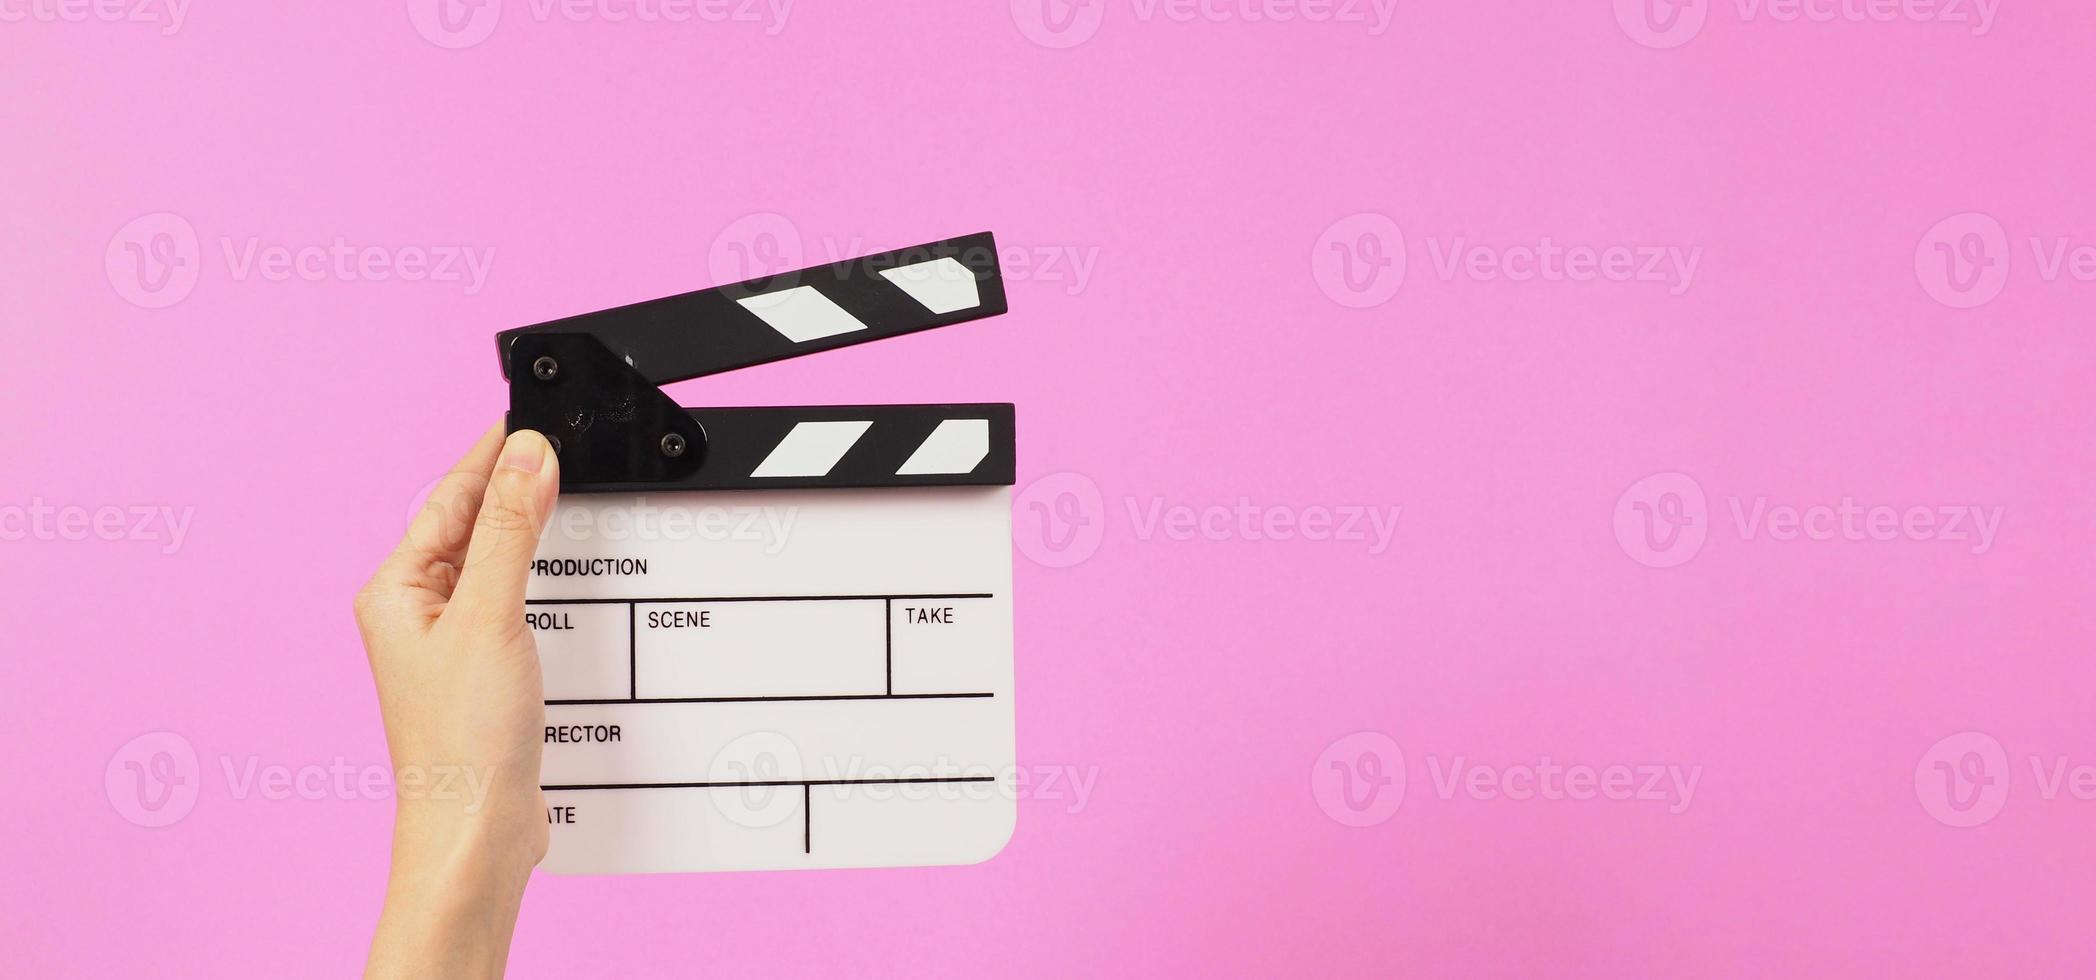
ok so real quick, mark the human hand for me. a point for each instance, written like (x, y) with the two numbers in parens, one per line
(459, 689)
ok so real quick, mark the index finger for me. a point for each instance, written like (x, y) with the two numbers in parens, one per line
(439, 532)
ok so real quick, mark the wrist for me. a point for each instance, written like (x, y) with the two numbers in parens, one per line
(452, 897)
(484, 855)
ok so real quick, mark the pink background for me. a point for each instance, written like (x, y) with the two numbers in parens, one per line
(1521, 610)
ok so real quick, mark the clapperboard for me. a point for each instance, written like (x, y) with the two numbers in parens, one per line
(771, 637)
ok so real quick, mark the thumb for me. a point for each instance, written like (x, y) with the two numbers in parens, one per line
(506, 534)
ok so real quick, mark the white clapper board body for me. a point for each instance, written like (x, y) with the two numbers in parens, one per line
(772, 638)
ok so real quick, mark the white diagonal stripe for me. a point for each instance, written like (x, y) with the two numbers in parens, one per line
(811, 449)
(942, 285)
(802, 313)
(956, 446)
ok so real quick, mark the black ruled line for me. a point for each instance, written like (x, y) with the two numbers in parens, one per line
(762, 598)
(754, 784)
(778, 697)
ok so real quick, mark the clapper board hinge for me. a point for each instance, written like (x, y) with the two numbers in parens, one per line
(606, 422)
(591, 383)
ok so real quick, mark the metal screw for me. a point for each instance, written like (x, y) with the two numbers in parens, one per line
(545, 368)
(673, 445)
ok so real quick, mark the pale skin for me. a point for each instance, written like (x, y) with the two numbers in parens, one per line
(459, 689)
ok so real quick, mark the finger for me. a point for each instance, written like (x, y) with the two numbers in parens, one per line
(506, 532)
(435, 542)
